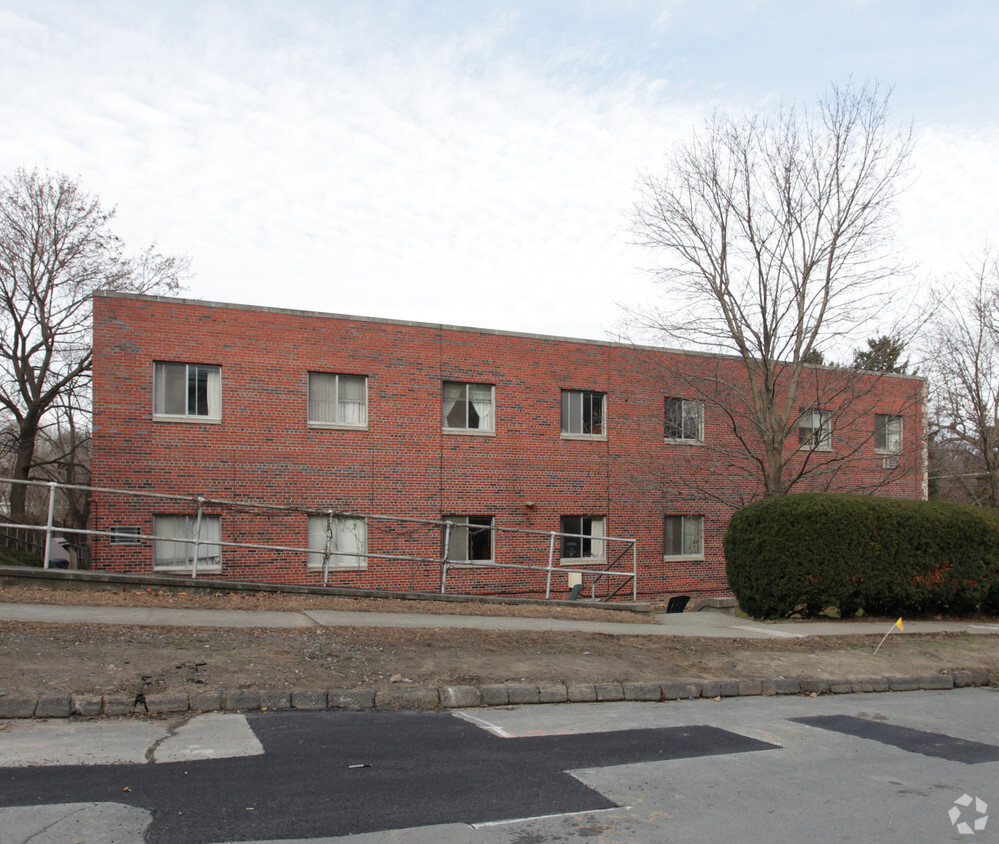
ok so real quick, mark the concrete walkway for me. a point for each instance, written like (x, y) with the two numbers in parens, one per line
(713, 624)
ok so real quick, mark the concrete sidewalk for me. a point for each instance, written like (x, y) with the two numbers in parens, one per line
(711, 624)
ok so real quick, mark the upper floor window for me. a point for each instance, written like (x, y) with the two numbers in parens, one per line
(338, 400)
(683, 536)
(187, 390)
(469, 538)
(583, 413)
(175, 546)
(584, 537)
(887, 433)
(815, 430)
(342, 540)
(468, 407)
(684, 419)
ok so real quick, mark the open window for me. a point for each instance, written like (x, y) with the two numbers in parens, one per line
(583, 413)
(469, 538)
(187, 391)
(584, 537)
(468, 407)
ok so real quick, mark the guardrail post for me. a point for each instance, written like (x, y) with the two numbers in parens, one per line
(48, 523)
(634, 571)
(447, 545)
(326, 548)
(197, 538)
(551, 559)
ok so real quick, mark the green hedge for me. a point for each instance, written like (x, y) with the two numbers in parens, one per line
(805, 553)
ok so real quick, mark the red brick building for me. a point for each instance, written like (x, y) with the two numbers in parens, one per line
(362, 436)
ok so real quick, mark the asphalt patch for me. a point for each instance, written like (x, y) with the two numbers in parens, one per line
(325, 774)
(906, 738)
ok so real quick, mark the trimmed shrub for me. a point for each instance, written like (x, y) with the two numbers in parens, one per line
(885, 556)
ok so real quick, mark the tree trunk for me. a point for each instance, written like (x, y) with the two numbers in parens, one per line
(23, 463)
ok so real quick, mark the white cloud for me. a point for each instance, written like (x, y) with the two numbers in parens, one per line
(352, 161)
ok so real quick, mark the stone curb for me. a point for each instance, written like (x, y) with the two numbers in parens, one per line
(465, 697)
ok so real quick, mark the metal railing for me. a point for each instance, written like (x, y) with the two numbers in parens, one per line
(598, 569)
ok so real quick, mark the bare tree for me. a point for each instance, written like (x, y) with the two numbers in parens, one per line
(965, 367)
(56, 249)
(775, 231)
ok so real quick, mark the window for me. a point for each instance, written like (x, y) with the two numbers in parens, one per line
(684, 419)
(468, 407)
(121, 535)
(683, 536)
(887, 433)
(584, 539)
(583, 413)
(345, 537)
(178, 552)
(187, 390)
(338, 400)
(470, 538)
(814, 430)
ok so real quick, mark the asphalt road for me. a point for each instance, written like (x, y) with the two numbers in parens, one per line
(907, 767)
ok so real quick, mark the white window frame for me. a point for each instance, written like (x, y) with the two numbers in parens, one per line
(815, 430)
(594, 538)
(163, 370)
(889, 428)
(574, 412)
(470, 397)
(689, 409)
(691, 535)
(342, 407)
(171, 555)
(462, 536)
(348, 542)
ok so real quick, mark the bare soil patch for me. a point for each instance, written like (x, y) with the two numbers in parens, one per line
(94, 658)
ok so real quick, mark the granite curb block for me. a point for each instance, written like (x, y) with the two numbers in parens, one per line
(465, 697)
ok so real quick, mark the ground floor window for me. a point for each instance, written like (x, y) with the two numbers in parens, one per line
(469, 538)
(175, 547)
(683, 536)
(584, 537)
(343, 538)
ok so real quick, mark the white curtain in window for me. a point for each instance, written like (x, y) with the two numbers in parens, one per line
(597, 532)
(317, 541)
(453, 394)
(167, 552)
(693, 529)
(893, 434)
(215, 393)
(170, 384)
(352, 538)
(351, 397)
(347, 544)
(322, 397)
(693, 413)
(481, 397)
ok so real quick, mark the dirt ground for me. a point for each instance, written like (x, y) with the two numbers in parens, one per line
(94, 658)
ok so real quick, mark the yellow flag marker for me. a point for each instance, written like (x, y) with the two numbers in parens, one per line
(897, 624)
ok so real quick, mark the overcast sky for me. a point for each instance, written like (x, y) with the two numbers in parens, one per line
(463, 161)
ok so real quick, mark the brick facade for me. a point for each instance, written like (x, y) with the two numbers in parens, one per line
(404, 463)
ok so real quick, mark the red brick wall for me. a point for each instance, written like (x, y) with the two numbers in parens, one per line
(405, 465)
